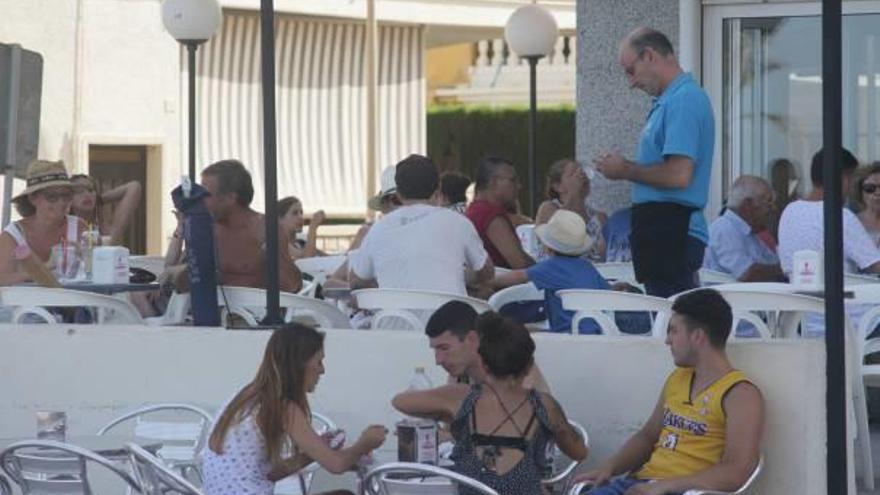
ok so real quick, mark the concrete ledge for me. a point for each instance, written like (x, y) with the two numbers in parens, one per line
(608, 384)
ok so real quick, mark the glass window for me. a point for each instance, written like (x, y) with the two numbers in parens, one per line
(772, 96)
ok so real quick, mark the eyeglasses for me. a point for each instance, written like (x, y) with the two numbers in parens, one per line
(55, 196)
(870, 188)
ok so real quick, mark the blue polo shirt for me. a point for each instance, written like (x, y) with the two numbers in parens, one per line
(680, 123)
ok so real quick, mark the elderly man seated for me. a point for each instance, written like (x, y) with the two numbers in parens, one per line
(705, 431)
(734, 245)
(418, 245)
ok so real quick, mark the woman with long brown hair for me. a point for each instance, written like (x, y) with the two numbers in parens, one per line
(88, 204)
(245, 449)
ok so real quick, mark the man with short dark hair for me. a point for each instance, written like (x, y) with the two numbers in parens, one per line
(705, 431)
(496, 188)
(670, 174)
(418, 245)
(240, 232)
(801, 226)
(453, 335)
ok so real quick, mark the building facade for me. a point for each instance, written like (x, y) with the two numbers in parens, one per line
(760, 62)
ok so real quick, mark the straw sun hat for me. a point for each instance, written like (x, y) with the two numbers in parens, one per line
(388, 187)
(565, 233)
(42, 174)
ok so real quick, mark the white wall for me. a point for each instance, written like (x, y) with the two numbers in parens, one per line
(608, 384)
(111, 75)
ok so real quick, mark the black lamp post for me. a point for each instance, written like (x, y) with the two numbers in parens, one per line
(191, 22)
(531, 33)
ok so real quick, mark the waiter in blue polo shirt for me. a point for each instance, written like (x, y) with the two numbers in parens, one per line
(670, 175)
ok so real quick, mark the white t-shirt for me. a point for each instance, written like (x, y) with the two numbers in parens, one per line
(420, 247)
(801, 227)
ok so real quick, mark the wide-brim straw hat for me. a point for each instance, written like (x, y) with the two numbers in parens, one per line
(388, 187)
(565, 233)
(42, 174)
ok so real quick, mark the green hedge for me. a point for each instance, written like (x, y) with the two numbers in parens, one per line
(459, 137)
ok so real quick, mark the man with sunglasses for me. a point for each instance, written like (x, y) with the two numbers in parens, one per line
(671, 171)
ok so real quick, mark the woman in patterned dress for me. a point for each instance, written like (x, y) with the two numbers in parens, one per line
(245, 454)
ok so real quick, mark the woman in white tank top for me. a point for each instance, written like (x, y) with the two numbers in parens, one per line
(43, 206)
(244, 454)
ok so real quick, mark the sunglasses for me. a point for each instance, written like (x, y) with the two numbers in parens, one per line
(55, 196)
(870, 188)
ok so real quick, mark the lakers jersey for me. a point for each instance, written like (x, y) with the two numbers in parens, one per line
(693, 434)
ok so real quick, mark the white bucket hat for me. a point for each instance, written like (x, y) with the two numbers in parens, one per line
(388, 187)
(565, 233)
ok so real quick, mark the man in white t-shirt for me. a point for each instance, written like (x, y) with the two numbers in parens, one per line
(802, 226)
(420, 246)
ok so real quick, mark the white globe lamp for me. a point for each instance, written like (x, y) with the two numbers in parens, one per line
(531, 33)
(191, 22)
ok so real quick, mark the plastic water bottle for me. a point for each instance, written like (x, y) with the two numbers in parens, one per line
(417, 438)
(420, 380)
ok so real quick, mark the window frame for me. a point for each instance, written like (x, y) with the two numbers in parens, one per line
(712, 68)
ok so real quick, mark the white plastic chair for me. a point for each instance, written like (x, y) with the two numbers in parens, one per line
(742, 490)
(154, 477)
(33, 301)
(621, 271)
(423, 479)
(46, 467)
(712, 277)
(595, 304)
(320, 267)
(250, 305)
(5, 487)
(407, 304)
(181, 428)
(175, 313)
(787, 308)
(578, 488)
(529, 241)
(519, 293)
(563, 474)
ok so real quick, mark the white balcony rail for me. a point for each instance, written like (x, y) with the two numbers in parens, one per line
(498, 76)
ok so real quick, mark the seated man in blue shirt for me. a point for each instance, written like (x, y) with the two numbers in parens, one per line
(565, 239)
(734, 246)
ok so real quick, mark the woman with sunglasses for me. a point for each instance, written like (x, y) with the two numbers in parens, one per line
(568, 187)
(868, 199)
(88, 204)
(43, 206)
(271, 415)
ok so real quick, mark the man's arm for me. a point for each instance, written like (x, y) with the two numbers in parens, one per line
(501, 234)
(634, 453)
(675, 172)
(744, 408)
(513, 277)
(763, 273)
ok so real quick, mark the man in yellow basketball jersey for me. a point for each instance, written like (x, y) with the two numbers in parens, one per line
(705, 431)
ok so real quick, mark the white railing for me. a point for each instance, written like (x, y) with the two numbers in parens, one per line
(499, 77)
(492, 53)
